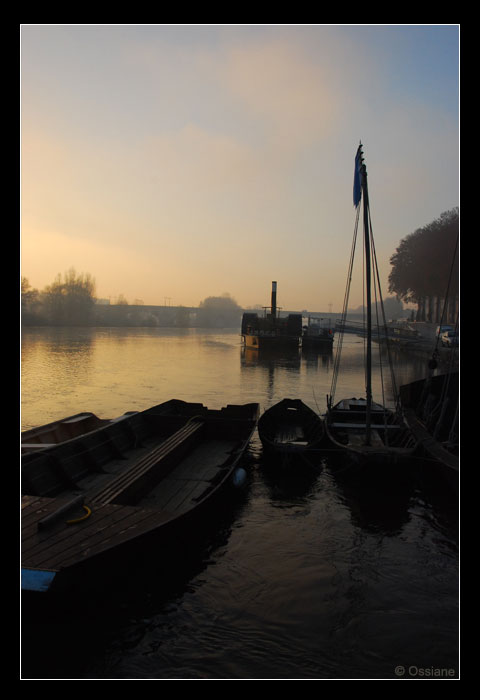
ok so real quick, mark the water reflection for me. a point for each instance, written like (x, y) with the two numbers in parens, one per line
(112, 370)
(295, 373)
(377, 508)
(56, 363)
(312, 578)
(291, 488)
(73, 346)
(252, 357)
(268, 368)
(318, 359)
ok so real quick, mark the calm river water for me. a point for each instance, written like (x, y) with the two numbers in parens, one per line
(304, 579)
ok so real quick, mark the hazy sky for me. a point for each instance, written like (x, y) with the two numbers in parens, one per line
(183, 162)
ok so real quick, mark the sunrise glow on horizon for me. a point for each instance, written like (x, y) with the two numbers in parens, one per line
(190, 161)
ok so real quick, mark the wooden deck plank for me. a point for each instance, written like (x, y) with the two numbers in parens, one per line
(51, 546)
(36, 509)
(124, 467)
(109, 525)
(63, 536)
(191, 478)
(36, 542)
(178, 494)
(60, 545)
(138, 521)
(203, 462)
(27, 501)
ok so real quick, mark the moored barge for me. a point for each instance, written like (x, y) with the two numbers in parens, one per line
(270, 331)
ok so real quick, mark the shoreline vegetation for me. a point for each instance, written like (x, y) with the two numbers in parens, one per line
(215, 312)
(424, 274)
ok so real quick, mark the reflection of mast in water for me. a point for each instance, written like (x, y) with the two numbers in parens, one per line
(375, 508)
(315, 358)
(252, 358)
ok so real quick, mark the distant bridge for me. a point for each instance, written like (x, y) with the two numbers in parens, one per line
(393, 329)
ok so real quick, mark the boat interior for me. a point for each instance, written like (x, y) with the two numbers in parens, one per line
(347, 420)
(154, 459)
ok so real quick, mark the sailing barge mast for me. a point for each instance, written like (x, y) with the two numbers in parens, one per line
(365, 430)
(361, 172)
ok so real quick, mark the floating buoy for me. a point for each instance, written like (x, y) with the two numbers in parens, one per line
(239, 477)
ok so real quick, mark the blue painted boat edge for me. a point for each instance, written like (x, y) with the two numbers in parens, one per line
(38, 580)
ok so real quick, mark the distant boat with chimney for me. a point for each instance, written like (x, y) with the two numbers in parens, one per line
(270, 331)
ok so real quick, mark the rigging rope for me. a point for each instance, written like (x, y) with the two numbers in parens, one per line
(336, 365)
(378, 301)
(385, 328)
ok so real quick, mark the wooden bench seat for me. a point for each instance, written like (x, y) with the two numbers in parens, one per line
(289, 433)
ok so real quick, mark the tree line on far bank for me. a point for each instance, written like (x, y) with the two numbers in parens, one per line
(70, 301)
(424, 272)
(67, 301)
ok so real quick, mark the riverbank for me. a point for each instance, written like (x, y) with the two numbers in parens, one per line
(421, 342)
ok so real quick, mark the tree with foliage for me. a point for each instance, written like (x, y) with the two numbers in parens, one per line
(219, 312)
(392, 306)
(425, 268)
(30, 302)
(70, 301)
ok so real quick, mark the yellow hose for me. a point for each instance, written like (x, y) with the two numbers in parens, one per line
(88, 512)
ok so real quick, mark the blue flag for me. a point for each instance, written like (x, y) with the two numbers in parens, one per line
(357, 183)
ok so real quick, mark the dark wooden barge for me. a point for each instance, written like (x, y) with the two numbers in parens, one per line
(94, 503)
(271, 331)
(318, 334)
(431, 410)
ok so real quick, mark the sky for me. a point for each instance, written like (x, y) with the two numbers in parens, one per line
(177, 162)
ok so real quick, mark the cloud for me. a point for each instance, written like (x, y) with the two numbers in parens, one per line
(199, 159)
(291, 96)
(204, 154)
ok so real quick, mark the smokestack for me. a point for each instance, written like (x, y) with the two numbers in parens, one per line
(274, 299)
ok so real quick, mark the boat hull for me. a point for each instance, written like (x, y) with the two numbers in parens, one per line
(62, 430)
(265, 342)
(291, 433)
(441, 392)
(317, 343)
(136, 488)
(391, 443)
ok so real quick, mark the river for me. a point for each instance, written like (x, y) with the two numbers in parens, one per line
(301, 579)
